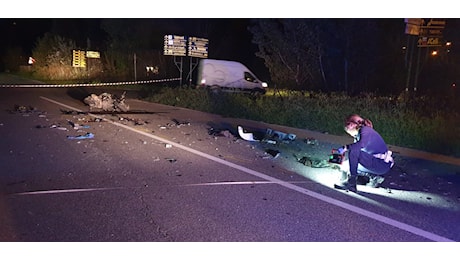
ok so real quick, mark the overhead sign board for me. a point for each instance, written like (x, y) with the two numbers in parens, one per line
(431, 33)
(175, 45)
(428, 30)
(198, 47)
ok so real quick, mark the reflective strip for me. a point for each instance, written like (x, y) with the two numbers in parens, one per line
(386, 157)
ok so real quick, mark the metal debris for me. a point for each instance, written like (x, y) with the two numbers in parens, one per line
(280, 135)
(269, 136)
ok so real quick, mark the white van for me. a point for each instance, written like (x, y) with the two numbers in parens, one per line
(228, 76)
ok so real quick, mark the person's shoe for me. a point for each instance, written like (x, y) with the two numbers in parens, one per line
(348, 184)
(375, 181)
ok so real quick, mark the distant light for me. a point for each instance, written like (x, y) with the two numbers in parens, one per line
(448, 43)
(152, 69)
(434, 53)
(31, 60)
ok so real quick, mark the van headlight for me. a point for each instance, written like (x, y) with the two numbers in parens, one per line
(264, 84)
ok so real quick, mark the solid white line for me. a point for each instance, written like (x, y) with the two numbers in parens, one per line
(363, 212)
(237, 183)
(60, 191)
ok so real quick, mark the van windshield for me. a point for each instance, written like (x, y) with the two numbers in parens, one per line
(249, 77)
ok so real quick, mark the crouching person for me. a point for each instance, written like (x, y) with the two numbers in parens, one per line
(367, 156)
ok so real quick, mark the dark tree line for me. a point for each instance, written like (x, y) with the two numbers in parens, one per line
(321, 54)
(348, 55)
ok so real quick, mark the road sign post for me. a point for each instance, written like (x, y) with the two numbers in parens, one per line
(181, 46)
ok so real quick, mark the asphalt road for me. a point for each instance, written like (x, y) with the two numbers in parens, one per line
(161, 173)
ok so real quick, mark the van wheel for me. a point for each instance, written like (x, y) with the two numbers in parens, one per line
(258, 91)
(215, 89)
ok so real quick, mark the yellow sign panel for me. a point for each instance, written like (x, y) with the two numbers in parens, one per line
(78, 59)
(93, 54)
(429, 42)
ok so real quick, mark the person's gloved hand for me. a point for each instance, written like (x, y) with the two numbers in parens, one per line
(341, 150)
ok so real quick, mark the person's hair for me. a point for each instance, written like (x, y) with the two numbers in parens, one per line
(358, 120)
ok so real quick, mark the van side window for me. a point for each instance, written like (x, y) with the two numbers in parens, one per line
(249, 77)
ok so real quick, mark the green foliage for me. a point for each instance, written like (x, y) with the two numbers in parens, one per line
(53, 55)
(398, 120)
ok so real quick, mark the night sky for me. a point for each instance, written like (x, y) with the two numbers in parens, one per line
(22, 32)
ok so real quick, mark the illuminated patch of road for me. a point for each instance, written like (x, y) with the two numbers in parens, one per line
(363, 212)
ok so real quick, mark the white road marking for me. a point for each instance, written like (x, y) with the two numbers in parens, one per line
(360, 211)
(237, 183)
(61, 191)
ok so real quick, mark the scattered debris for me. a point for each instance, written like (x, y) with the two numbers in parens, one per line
(178, 124)
(171, 160)
(311, 141)
(175, 124)
(77, 126)
(26, 110)
(52, 126)
(224, 133)
(313, 162)
(80, 137)
(59, 127)
(246, 136)
(107, 102)
(280, 135)
(136, 121)
(274, 153)
(270, 136)
(72, 112)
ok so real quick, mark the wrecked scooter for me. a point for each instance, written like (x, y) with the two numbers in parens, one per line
(107, 102)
